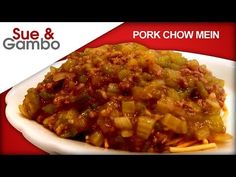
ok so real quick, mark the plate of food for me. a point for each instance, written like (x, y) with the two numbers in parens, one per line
(128, 99)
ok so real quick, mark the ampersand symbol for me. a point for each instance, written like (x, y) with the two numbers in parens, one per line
(48, 34)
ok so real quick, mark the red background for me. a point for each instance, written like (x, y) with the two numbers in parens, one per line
(12, 141)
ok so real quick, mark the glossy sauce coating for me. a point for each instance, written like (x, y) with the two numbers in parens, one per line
(128, 97)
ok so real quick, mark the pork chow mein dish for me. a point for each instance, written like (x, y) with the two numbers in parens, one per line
(131, 98)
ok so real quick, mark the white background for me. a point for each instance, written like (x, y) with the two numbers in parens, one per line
(17, 65)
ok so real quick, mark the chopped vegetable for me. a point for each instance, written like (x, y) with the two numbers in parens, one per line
(50, 108)
(123, 123)
(165, 105)
(175, 124)
(31, 104)
(145, 127)
(128, 107)
(215, 123)
(46, 96)
(201, 90)
(96, 138)
(202, 133)
(126, 133)
(124, 74)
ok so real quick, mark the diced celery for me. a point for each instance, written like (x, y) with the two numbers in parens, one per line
(177, 58)
(53, 69)
(195, 107)
(31, 104)
(138, 92)
(124, 73)
(201, 89)
(126, 133)
(132, 62)
(174, 66)
(145, 127)
(62, 75)
(193, 64)
(172, 78)
(175, 124)
(67, 115)
(128, 107)
(202, 133)
(165, 105)
(151, 92)
(88, 66)
(115, 113)
(45, 95)
(127, 48)
(59, 76)
(220, 82)
(96, 138)
(172, 93)
(214, 106)
(123, 123)
(49, 108)
(157, 83)
(163, 61)
(215, 123)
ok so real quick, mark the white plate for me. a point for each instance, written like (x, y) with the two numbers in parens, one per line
(49, 142)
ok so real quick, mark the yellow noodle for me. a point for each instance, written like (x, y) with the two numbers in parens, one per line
(188, 143)
(193, 148)
(174, 141)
